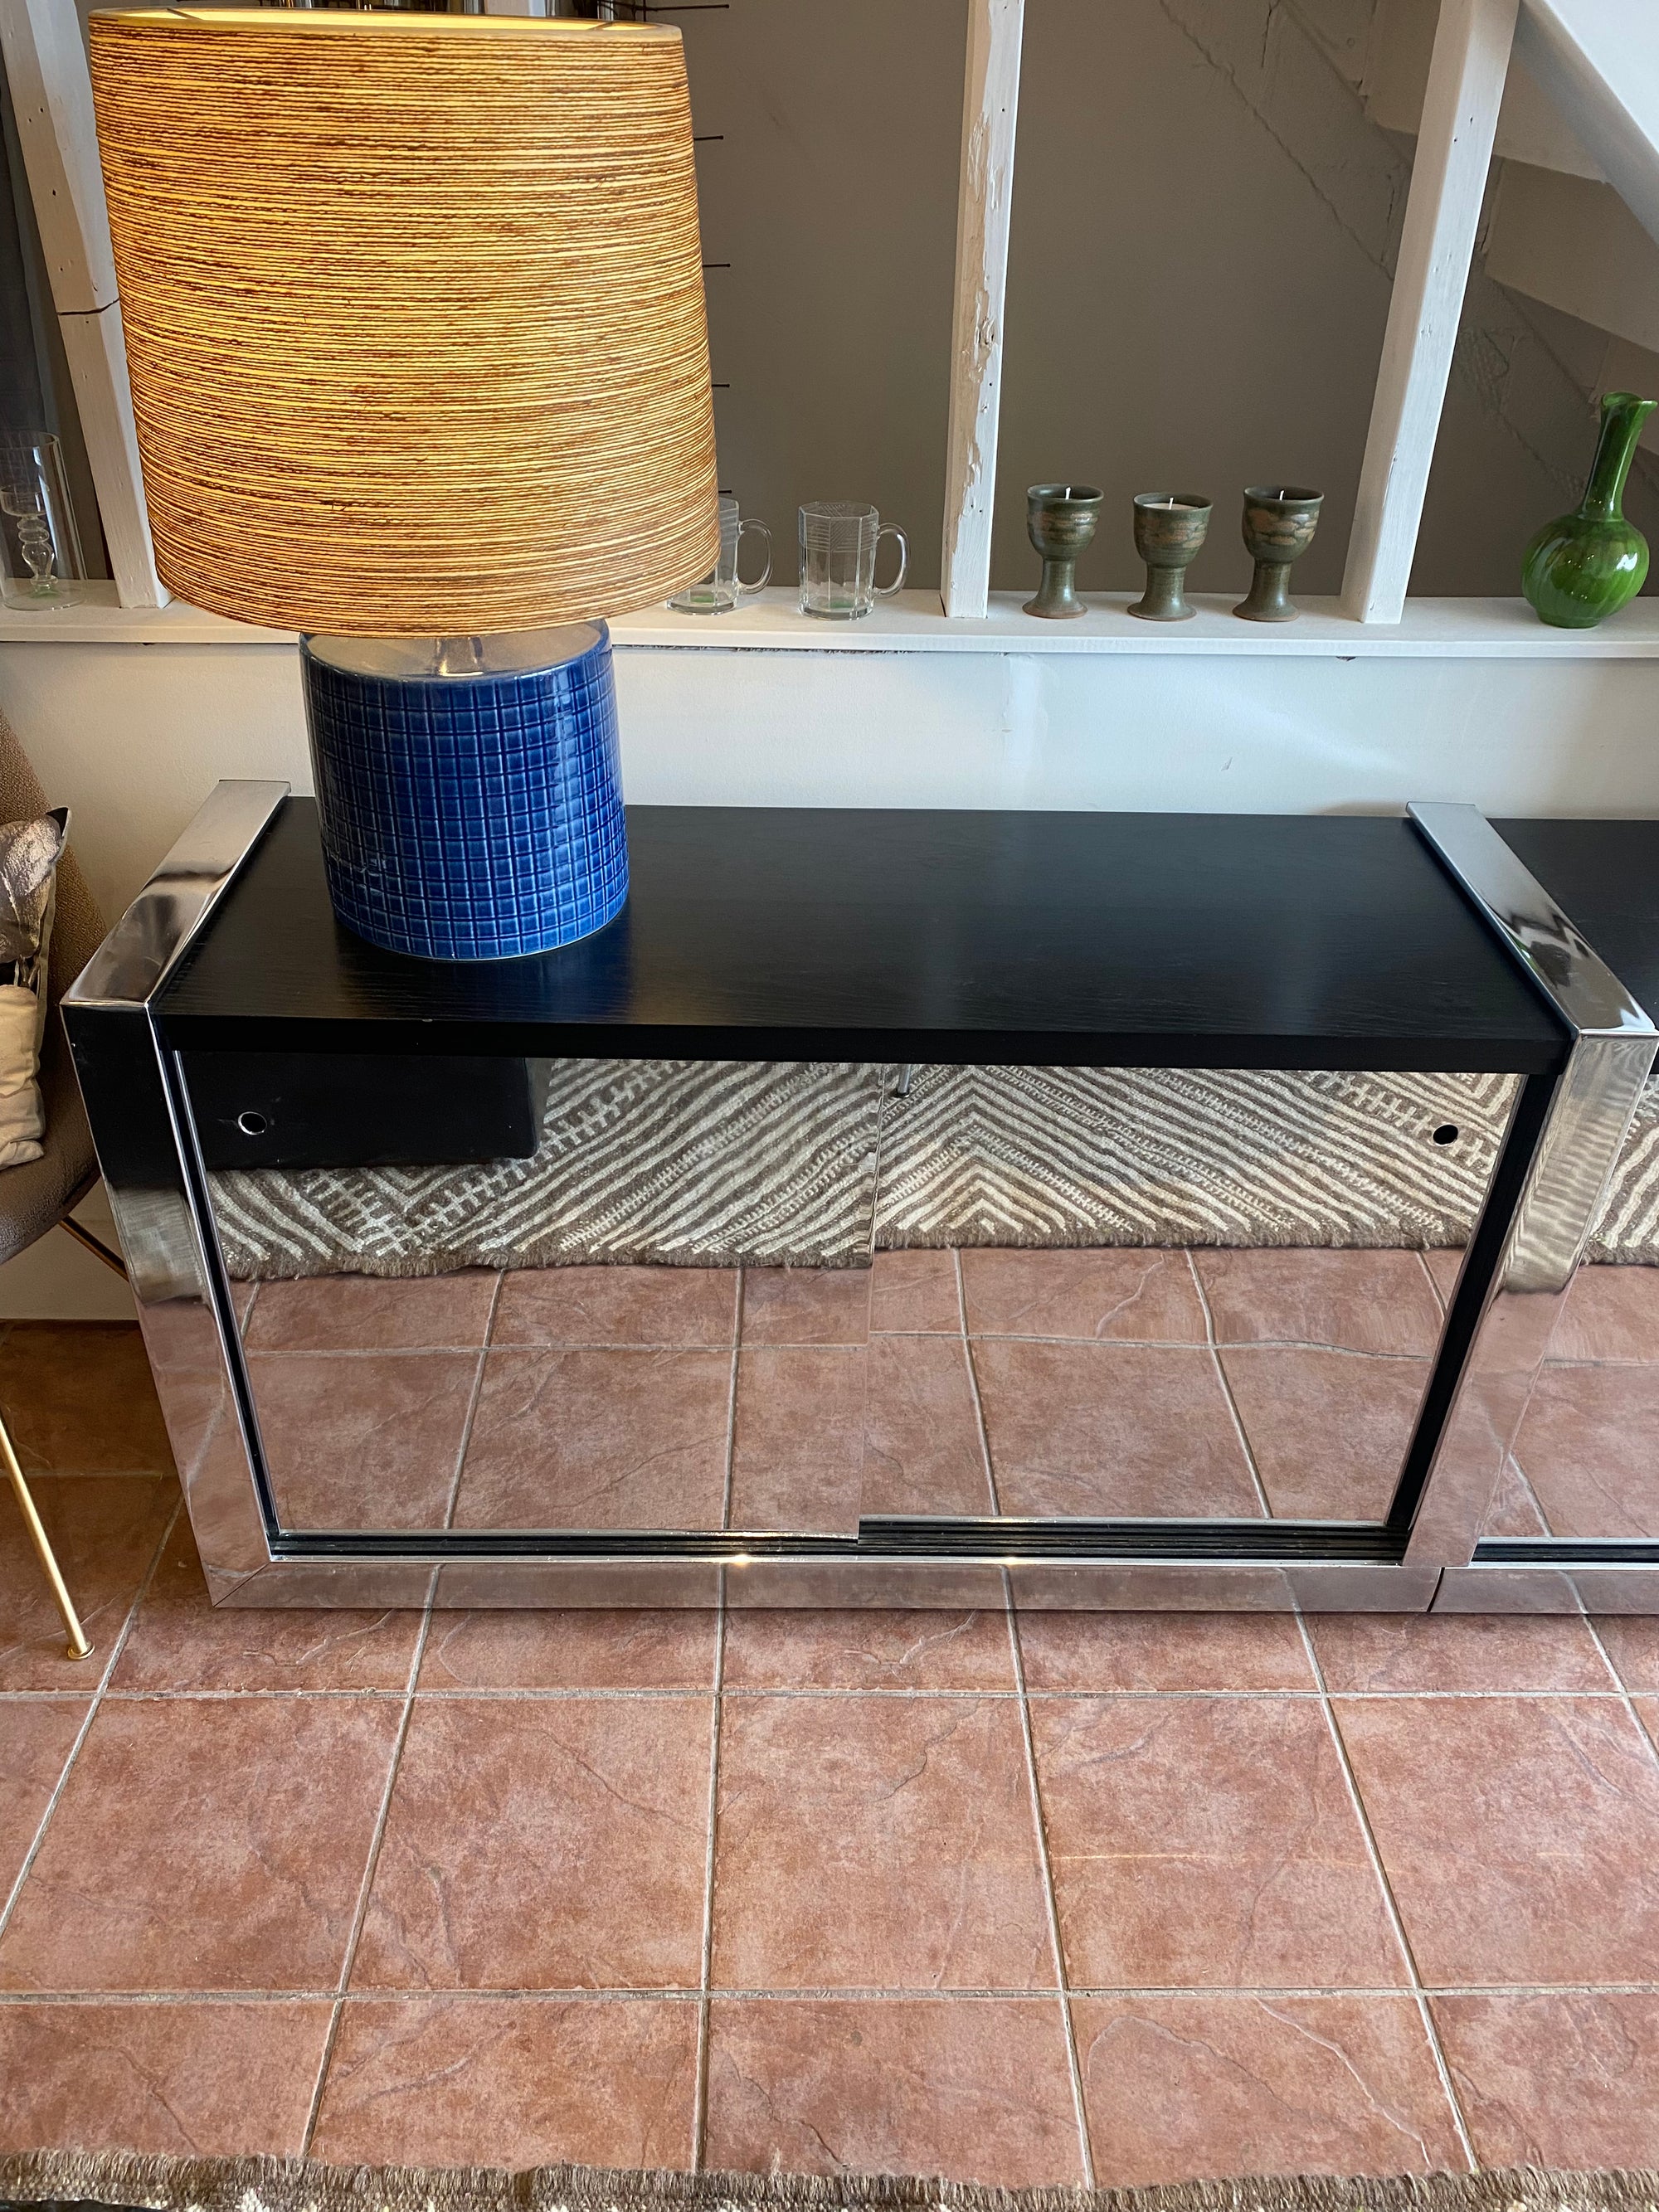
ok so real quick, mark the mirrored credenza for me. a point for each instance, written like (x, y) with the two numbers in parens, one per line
(909, 1208)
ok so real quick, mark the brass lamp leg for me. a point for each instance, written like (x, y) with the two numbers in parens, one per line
(78, 1645)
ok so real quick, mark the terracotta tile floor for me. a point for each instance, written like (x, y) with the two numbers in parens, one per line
(1021, 1898)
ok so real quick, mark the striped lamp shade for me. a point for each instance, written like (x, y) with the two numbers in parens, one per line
(414, 312)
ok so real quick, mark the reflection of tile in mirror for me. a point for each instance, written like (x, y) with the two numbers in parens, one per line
(1328, 1428)
(1515, 1511)
(1358, 1301)
(1443, 1265)
(683, 1306)
(1589, 1444)
(367, 1440)
(923, 1449)
(797, 1448)
(366, 1313)
(598, 1439)
(1100, 1296)
(1610, 1313)
(1083, 1430)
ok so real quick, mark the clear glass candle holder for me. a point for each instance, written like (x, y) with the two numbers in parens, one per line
(43, 567)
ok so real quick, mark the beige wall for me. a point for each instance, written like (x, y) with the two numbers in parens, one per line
(1205, 223)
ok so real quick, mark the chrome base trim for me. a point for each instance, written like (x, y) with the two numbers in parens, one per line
(1509, 1588)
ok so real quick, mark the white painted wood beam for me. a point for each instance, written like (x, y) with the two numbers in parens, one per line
(1599, 61)
(1460, 108)
(52, 93)
(984, 198)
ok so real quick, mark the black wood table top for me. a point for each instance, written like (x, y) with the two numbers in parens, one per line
(1140, 939)
(1606, 876)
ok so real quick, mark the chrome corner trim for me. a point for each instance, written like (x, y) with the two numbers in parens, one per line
(1560, 960)
(1613, 1044)
(144, 1155)
(1611, 1054)
(158, 928)
(1589, 1118)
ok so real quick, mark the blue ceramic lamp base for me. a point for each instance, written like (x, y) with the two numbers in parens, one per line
(470, 790)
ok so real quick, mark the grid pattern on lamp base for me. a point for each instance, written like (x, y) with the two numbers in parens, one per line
(473, 817)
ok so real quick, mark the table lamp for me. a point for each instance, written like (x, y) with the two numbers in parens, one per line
(414, 313)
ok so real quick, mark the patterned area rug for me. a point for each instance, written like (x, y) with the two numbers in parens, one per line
(694, 1163)
(271, 2185)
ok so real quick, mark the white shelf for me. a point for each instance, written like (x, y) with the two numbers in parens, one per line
(101, 619)
(1454, 629)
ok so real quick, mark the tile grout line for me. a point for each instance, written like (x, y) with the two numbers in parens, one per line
(1227, 1388)
(1068, 2026)
(972, 1385)
(116, 1649)
(851, 1993)
(1424, 2012)
(366, 1887)
(731, 1417)
(1511, 1459)
(465, 1444)
(485, 1694)
(1612, 1666)
(700, 2078)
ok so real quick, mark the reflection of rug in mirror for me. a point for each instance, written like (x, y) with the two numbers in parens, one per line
(699, 1164)
(688, 1163)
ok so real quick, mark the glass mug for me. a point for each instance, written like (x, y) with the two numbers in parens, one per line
(838, 543)
(721, 590)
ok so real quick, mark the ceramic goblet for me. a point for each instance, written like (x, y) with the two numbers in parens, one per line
(1061, 519)
(1279, 521)
(1170, 527)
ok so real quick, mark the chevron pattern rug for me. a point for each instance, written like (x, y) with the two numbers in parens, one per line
(698, 1163)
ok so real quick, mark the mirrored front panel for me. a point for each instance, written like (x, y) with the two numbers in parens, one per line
(802, 1299)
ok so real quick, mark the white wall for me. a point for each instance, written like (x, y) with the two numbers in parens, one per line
(134, 737)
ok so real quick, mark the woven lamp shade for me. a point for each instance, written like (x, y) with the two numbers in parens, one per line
(414, 312)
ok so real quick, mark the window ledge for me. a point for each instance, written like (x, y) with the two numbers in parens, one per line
(1432, 629)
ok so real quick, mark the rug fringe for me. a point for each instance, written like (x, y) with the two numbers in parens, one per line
(158, 2183)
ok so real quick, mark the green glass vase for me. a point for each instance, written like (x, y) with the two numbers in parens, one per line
(1585, 566)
